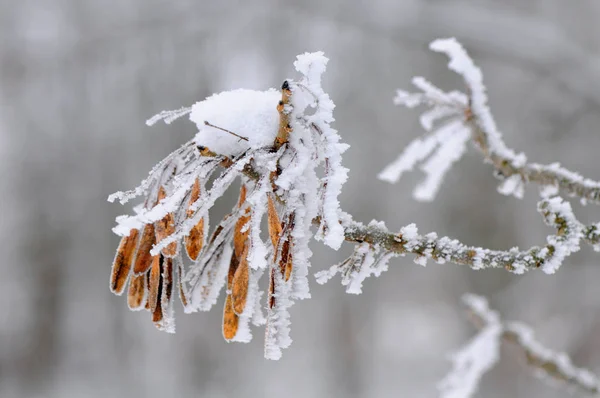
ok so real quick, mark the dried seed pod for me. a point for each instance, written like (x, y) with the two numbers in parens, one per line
(285, 262)
(136, 295)
(272, 288)
(230, 320)
(215, 234)
(284, 116)
(154, 283)
(239, 237)
(239, 288)
(195, 240)
(233, 266)
(165, 227)
(122, 262)
(157, 315)
(167, 277)
(157, 310)
(274, 223)
(143, 259)
(147, 276)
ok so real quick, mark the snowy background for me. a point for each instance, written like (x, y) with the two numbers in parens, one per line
(78, 80)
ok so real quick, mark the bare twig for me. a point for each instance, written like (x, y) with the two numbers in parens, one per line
(225, 130)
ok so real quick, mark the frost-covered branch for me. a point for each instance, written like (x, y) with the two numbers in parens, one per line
(453, 118)
(483, 352)
(556, 213)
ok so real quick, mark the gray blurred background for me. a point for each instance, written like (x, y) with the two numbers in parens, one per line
(79, 78)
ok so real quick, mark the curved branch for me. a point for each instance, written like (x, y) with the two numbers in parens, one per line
(444, 249)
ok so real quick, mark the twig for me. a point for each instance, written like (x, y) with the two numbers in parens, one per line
(489, 141)
(225, 130)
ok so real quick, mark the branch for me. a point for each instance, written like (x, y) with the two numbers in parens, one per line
(554, 365)
(556, 213)
(473, 113)
(444, 249)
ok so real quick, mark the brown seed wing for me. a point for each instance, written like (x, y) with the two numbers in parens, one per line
(194, 195)
(272, 288)
(157, 311)
(122, 262)
(274, 223)
(154, 285)
(147, 276)
(239, 237)
(167, 274)
(136, 295)
(165, 227)
(230, 320)
(143, 260)
(287, 269)
(239, 288)
(242, 198)
(233, 266)
(195, 240)
(157, 315)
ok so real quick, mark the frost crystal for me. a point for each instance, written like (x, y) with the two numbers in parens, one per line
(289, 159)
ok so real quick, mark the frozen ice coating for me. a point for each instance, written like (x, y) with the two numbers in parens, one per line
(247, 113)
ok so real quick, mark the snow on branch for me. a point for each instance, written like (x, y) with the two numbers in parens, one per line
(483, 352)
(453, 118)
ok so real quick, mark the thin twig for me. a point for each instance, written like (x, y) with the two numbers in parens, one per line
(225, 130)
